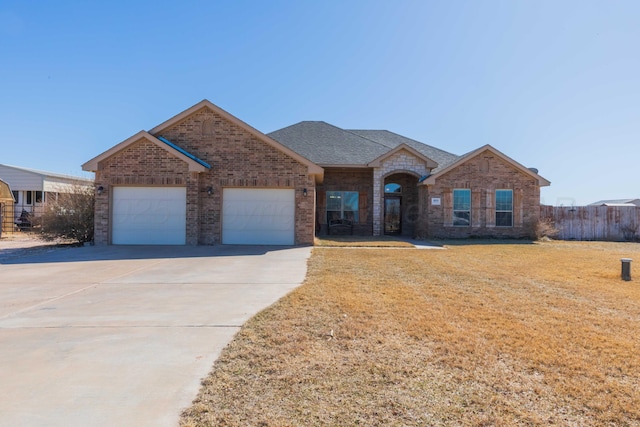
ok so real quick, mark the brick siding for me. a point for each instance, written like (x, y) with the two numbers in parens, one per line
(237, 159)
(338, 179)
(142, 163)
(483, 175)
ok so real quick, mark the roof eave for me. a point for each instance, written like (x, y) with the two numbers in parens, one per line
(93, 164)
(542, 182)
(345, 166)
(44, 175)
(378, 161)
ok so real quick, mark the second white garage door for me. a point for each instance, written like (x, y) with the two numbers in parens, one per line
(149, 216)
(258, 216)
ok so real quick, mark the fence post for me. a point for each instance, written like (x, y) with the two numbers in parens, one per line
(626, 269)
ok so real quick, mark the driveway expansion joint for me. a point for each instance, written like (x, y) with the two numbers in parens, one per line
(92, 336)
(48, 301)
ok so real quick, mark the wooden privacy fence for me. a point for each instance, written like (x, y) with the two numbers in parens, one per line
(611, 223)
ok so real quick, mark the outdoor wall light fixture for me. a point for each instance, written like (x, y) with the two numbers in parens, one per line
(100, 190)
(209, 190)
(304, 192)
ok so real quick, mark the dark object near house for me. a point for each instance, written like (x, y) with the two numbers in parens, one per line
(626, 269)
(340, 226)
(24, 220)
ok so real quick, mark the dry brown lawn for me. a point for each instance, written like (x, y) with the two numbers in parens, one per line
(362, 242)
(475, 335)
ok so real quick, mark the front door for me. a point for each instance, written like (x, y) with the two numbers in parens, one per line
(392, 215)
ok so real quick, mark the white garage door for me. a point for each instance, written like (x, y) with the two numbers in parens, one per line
(258, 216)
(149, 216)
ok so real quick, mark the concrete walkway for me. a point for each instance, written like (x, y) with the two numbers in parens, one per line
(122, 336)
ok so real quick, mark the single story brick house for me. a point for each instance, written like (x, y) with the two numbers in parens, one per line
(205, 177)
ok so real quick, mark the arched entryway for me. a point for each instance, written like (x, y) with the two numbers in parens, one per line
(400, 207)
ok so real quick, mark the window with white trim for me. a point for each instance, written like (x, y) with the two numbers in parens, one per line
(504, 208)
(462, 207)
(342, 205)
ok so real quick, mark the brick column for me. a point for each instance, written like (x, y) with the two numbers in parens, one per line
(377, 202)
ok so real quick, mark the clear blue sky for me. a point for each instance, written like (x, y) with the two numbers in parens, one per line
(553, 84)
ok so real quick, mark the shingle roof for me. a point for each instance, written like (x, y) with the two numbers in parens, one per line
(325, 144)
(328, 145)
(392, 140)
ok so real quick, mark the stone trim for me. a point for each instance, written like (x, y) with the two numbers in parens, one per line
(400, 162)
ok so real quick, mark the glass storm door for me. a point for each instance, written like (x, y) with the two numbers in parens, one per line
(392, 215)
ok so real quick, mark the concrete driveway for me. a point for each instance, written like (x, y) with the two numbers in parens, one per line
(122, 336)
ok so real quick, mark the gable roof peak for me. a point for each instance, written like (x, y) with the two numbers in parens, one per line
(431, 164)
(195, 164)
(390, 140)
(487, 147)
(312, 168)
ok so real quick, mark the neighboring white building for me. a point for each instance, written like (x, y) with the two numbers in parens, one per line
(617, 202)
(32, 188)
